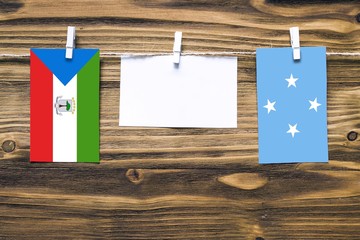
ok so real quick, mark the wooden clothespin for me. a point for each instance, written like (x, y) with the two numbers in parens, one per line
(70, 42)
(295, 42)
(177, 47)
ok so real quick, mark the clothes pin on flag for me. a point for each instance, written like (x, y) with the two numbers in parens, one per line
(70, 42)
(295, 42)
(177, 47)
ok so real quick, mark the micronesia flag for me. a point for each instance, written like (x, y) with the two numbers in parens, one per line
(291, 98)
(64, 106)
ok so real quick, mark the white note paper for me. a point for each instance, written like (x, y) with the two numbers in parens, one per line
(200, 92)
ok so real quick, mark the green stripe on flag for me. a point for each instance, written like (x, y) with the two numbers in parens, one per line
(87, 108)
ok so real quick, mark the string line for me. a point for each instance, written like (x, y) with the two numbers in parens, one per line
(129, 54)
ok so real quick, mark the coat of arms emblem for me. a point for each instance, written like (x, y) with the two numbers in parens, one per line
(64, 105)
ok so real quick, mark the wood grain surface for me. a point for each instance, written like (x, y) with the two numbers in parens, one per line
(166, 183)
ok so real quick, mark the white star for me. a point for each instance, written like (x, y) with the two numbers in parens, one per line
(291, 81)
(314, 104)
(293, 130)
(270, 106)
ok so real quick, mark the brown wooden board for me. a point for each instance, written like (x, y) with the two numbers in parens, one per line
(166, 183)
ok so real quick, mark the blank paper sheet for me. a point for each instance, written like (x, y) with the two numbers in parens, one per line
(200, 92)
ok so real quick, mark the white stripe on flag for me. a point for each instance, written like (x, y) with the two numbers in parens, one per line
(64, 125)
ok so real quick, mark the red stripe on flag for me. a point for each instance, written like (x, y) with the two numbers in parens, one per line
(41, 111)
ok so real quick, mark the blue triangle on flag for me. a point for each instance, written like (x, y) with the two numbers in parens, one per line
(64, 69)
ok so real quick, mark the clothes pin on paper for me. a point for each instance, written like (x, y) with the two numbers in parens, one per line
(177, 47)
(295, 42)
(70, 43)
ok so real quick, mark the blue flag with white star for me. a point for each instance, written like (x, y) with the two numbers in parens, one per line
(292, 105)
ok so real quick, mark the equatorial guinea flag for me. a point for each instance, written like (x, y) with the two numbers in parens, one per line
(64, 106)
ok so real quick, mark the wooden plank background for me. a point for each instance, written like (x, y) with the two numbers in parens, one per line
(180, 183)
